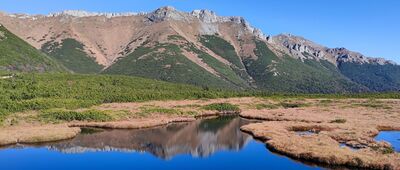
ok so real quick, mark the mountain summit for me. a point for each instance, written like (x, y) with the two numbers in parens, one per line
(199, 48)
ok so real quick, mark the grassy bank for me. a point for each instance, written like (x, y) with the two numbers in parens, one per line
(72, 91)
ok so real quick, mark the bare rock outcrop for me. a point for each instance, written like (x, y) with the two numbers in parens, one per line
(302, 48)
(80, 13)
(166, 13)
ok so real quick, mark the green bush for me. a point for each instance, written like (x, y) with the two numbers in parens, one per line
(338, 121)
(265, 106)
(148, 110)
(3, 115)
(68, 115)
(292, 105)
(388, 150)
(222, 107)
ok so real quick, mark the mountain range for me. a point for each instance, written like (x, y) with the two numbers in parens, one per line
(198, 48)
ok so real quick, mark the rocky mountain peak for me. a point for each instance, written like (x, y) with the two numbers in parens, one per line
(209, 20)
(166, 13)
(206, 16)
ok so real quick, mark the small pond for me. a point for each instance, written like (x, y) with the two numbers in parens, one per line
(204, 144)
(393, 137)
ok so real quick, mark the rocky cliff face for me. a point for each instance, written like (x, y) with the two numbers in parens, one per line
(302, 48)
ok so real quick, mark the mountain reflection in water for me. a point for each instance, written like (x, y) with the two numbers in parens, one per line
(199, 139)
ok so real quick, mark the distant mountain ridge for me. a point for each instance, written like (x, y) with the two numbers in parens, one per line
(199, 48)
(304, 49)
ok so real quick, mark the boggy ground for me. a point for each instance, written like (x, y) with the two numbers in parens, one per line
(337, 132)
(334, 132)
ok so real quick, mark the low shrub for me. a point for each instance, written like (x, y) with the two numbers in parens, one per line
(68, 115)
(265, 106)
(148, 110)
(373, 105)
(292, 105)
(384, 150)
(3, 115)
(326, 101)
(222, 107)
(338, 121)
(387, 150)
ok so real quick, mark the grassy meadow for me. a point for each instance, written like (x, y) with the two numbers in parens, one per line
(42, 92)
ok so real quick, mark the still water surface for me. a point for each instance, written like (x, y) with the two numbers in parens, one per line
(393, 137)
(204, 144)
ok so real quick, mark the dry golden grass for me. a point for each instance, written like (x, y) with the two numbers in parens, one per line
(135, 123)
(353, 122)
(34, 134)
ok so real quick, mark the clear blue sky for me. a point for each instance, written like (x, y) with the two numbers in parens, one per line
(368, 26)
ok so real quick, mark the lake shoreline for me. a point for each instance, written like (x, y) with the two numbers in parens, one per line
(334, 127)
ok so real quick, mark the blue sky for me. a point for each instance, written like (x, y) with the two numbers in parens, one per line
(367, 26)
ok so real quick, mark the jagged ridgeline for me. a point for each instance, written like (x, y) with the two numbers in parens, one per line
(199, 48)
